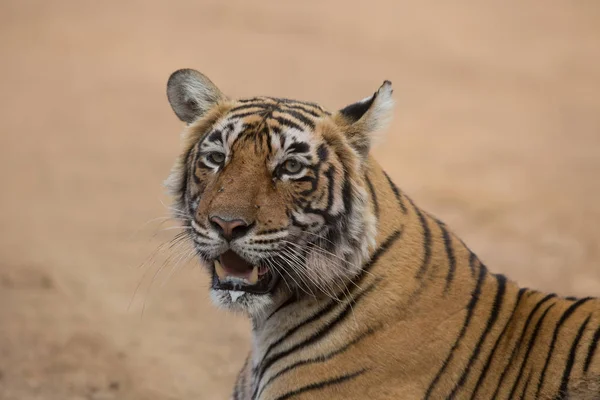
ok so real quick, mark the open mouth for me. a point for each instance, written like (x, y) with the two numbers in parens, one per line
(232, 272)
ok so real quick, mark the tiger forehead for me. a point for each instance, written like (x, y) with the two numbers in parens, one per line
(281, 104)
(278, 112)
(257, 119)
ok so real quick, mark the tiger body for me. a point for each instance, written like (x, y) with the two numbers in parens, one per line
(366, 295)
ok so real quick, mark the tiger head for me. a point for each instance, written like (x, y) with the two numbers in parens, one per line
(272, 192)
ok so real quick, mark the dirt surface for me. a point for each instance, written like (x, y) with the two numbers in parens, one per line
(497, 132)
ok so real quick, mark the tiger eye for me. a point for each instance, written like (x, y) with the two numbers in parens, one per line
(292, 166)
(216, 157)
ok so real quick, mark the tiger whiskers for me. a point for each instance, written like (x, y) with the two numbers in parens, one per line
(322, 285)
(167, 261)
(283, 270)
(174, 210)
(325, 253)
(298, 262)
(305, 287)
(318, 236)
(183, 259)
(338, 280)
(172, 246)
(272, 265)
(163, 220)
(325, 286)
(354, 266)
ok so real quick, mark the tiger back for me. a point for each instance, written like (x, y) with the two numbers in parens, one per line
(353, 291)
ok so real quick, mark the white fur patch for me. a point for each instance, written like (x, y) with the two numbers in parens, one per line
(381, 112)
(290, 136)
(235, 295)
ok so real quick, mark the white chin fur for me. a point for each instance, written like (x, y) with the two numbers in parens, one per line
(241, 301)
(234, 294)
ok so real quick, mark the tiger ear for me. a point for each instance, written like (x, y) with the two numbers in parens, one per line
(192, 94)
(361, 120)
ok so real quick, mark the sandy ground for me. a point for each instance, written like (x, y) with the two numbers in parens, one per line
(497, 131)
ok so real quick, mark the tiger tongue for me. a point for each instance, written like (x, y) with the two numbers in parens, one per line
(235, 265)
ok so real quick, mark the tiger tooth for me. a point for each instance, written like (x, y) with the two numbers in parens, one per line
(219, 270)
(253, 276)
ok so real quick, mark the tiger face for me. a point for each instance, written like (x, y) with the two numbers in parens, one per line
(272, 192)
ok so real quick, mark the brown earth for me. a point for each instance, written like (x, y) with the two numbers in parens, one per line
(497, 131)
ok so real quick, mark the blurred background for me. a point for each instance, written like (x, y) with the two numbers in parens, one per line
(496, 131)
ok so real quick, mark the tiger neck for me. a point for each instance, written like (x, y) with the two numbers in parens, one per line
(417, 283)
(422, 264)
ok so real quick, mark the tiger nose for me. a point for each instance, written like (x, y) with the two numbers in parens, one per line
(230, 229)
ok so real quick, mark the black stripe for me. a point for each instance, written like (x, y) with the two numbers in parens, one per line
(270, 231)
(183, 201)
(296, 102)
(517, 346)
(449, 254)
(313, 186)
(396, 193)
(373, 196)
(426, 243)
(286, 303)
(200, 234)
(500, 337)
(592, 350)
(526, 386)
(385, 246)
(321, 385)
(303, 108)
(314, 180)
(314, 360)
(347, 198)
(530, 347)
(472, 260)
(316, 336)
(255, 99)
(470, 309)
(299, 116)
(237, 116)
(240, 381)
(572, 353)
(330, 187)
(498, 301)
(298, 147)
(246, 106)
(186, 172)
(267, 135)
(322, 153)
(287, 122)
(562, 320)
(323, 311)
(215, 136)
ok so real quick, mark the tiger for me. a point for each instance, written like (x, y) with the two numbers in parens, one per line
(352, 290)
